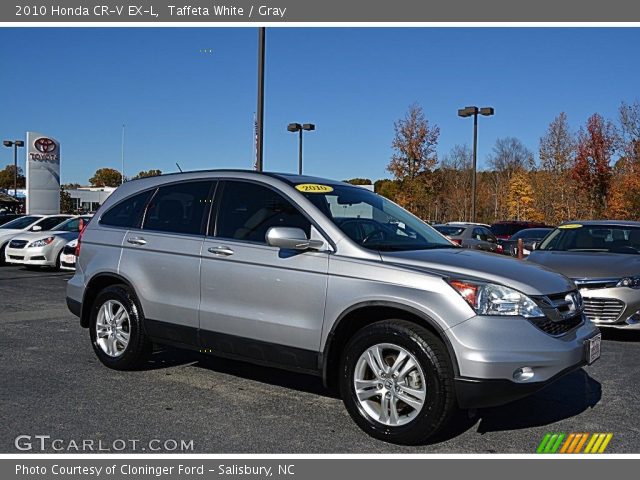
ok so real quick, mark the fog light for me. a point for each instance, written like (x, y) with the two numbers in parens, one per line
(634, 319)
(523, 374)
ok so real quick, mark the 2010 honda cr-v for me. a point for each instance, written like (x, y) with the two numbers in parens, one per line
(325, 278)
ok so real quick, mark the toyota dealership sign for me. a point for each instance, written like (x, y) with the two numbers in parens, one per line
(43, 174)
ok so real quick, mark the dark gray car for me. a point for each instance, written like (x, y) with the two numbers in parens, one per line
(603, 259)
(470, 235)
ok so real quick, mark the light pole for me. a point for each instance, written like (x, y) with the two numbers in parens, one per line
(15, 144)
(260, 119)
(468, 112)
(297, 127)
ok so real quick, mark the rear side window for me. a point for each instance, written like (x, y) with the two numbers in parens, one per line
(128, 213)
(178, 208)
(248, 210)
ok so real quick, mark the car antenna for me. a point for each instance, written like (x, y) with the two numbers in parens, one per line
(177, 165)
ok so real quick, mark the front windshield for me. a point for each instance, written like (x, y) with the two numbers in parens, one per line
(71, 225)
(593, 238)
(21, 222)
(373, 221)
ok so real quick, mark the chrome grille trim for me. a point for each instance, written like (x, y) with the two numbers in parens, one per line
(605, 310)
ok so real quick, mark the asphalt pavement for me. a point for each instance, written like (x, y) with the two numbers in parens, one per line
(55, 396)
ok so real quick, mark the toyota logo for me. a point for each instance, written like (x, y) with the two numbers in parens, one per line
(45, 145)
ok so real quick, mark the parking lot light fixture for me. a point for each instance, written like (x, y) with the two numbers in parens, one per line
(297, 127)
(468, 112)
(15, 144)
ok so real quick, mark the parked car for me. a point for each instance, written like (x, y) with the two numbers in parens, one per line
(28, 223)
(603, 259)
(325, 278)
(68, 256)
(470, 235)
(44, 248)
(504, 230)
(531, 237)
(7, 217)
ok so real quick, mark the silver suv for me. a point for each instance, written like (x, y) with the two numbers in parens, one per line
(329, 279)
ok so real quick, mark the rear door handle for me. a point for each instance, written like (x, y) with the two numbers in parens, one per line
(220, 250)
(137, 241)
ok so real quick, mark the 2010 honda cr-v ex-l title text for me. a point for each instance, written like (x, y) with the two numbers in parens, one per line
(326, 278)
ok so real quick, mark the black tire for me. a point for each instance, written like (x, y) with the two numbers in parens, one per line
(139, 347)
(58, 259)
(439, 404)
(2, 250)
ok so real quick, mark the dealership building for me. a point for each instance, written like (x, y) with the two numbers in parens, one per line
(88, 199)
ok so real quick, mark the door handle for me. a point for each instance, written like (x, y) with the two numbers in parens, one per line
(220, 250)
(136, 241)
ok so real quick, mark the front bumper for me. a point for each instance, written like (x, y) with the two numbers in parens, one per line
(491, 349)
(30, 256)
(613, 307)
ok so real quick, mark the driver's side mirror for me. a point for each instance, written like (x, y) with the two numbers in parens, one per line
(534, 245)
(291, 238)
(36, 228)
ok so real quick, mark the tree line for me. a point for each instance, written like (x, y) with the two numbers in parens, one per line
(593, 172)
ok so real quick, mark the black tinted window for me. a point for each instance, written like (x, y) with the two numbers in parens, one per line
(128, 213)
(178, 208)
(248, 210)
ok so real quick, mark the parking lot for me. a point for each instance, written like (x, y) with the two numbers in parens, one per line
(52, 384)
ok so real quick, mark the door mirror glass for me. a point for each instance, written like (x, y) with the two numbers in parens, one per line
(36, 228)
(291, 238)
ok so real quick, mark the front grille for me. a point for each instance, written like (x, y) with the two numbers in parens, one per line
(605, 310)
(18, 243)
(67, 250)
(559, 327)
(594, 284)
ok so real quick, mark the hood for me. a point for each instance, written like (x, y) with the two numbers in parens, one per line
(9, 233)
(527, 278)
(588, 264)
(32, 236)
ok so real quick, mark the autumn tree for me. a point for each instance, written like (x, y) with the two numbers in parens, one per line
(414, 158)
(520, 198)
(554, 186)
(509, 155)
(592, 167)
(7, 177)
(629, 115)
(456, 170)
(106, 177)
(387, 188)
(148, 173)
(66, 202)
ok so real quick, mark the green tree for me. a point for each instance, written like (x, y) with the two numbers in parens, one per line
(148, 173)
(66, 203)
(7, 177)
(106, 177)
(359, 181)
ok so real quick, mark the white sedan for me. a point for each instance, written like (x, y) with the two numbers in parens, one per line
(28, 223)
(44, 248)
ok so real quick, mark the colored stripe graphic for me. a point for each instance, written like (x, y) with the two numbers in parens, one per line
(574, 443)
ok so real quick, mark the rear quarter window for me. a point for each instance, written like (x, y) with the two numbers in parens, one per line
(128, 212)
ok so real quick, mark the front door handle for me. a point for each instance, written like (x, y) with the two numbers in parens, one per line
(137, 241)
(221, 250)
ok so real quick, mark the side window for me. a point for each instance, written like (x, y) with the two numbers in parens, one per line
(127, 213)
(488, 236)
(178, 208)
(248, 210)
(477, 234)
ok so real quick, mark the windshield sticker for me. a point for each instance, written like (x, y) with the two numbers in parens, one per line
(570, 225)
(314, 188)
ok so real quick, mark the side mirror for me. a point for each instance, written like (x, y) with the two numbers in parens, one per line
(36, 228)
(534, 245)
(291, 238)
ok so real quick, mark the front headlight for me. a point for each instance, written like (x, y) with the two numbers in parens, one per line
(42, 242)
(493, 299)
(631, 282)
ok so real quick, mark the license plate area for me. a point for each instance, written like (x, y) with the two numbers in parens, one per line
(592, 348)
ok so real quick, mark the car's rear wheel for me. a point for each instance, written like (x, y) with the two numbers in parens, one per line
(117, 331)
(396, 381)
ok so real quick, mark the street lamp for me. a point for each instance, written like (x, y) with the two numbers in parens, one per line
(468, 112)
(297, 127)
(15, 144)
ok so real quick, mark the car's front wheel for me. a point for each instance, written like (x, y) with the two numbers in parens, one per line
(116, 329)
(397, 382)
